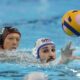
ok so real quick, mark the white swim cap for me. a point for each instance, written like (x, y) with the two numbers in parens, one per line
(39, 44)
(36, 76)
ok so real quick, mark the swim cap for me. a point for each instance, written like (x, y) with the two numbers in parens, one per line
(39, 44)
(5, 31)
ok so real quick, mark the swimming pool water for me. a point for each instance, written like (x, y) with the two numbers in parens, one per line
(36, 19)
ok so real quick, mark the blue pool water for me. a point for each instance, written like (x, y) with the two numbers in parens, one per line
(36, 19)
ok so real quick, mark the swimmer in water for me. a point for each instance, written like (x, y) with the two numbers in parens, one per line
(9, 40)
(45, 51)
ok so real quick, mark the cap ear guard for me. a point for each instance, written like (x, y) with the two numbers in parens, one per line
(2, 31)
(34, 52)
(1, 35)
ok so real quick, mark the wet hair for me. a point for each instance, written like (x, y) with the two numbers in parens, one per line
(5, 31)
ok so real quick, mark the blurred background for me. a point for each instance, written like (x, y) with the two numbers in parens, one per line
(38, 18)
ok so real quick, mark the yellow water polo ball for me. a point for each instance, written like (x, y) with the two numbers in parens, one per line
(71, 23)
